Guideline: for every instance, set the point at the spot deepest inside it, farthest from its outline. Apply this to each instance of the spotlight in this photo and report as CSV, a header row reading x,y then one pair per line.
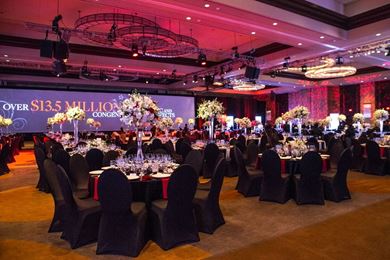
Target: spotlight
x,y
84,69
304,68
134,50
111,37
387,51
54,25
339,60
202,59
273,74
286,62
185,82
144,50
173,75
103,76
59,67
208,80
235,54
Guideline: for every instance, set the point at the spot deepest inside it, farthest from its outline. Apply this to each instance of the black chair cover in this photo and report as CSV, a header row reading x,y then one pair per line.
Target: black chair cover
x,y
251,154
308,185
79,175
314,141
80,218
40,158
123,223
249,179
173,221
185,148
357,155
374,164
211,153
109,156
94,158
275,186
3,159
62,158
335,185
52,170
335,152
207,211
195,159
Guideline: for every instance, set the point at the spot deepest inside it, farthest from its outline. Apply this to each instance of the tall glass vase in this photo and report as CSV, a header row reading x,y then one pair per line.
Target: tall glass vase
x,y
76,131
166,133
211,130
381,126
61,129
290,124
140,154
299,123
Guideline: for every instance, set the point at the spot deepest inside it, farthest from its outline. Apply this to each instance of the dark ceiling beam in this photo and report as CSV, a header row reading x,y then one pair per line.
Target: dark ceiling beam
x,y
330,17
268,49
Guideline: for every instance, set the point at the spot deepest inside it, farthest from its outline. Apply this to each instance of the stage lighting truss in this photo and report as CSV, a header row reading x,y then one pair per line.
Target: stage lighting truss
x,y
323,63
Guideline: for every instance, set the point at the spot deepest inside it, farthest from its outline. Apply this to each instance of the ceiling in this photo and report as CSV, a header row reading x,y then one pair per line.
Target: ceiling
x,y
273,30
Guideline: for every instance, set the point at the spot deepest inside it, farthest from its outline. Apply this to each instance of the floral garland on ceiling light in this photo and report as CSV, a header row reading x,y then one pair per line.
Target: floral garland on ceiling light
x,y
138,110
210,108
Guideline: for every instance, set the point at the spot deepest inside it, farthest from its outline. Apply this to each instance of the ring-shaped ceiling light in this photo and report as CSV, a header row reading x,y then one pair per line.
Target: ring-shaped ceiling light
x,y
241,85
333,72
324,63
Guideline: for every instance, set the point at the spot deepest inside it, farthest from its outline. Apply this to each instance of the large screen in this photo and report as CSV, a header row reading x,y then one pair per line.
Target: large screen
x,y
29,109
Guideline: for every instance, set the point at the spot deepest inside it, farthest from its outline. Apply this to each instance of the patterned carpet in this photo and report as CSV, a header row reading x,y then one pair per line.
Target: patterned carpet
x,y
357,229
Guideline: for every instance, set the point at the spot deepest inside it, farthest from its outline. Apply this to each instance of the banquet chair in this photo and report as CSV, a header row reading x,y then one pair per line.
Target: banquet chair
x,y
79,176
211,153
335,183
241,141
313,141
94,158
40,158
80,218
62,158
51,170
308,185
123,222
233,141
374,163
184,149
173,220
131,150
232,168
55,147
275,185
156,144
251,154
110,156
357,155
207,210
3,158
249,179
48,144
195,159
335,152
263,143
169,147
160,151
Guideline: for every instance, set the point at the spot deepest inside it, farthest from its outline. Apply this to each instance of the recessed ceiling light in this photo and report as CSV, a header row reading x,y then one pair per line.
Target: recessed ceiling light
x,y
378,34
385,78
164,70
147,82
7,60
361,81
198,20
351,56
253,33
217,8
114,69
119,66
274,24
5,55
322,37
207,5
157,73
299,43
188,18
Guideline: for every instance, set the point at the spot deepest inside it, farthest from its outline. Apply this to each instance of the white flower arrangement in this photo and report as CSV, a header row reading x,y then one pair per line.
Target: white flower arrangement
x,y
75,113
324,122
299,112
51,121
358,117
4,122
59,118
381,114
279,121
90,121
298,145
210,108
191,121
287,116
165,123
222,119
178,121
138,110
342,118
245,122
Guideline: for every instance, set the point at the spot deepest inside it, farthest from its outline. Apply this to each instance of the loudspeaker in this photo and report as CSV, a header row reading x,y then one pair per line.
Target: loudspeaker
x,y
61,51
46,49
252,72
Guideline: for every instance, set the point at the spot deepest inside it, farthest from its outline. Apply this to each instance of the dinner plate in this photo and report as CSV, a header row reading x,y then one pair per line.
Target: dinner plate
x,y
285,157
97,172
161,175
325,156
108,167
132,177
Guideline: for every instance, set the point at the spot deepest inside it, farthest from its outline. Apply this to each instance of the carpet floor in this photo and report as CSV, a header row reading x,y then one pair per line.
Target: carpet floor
x,y
358,228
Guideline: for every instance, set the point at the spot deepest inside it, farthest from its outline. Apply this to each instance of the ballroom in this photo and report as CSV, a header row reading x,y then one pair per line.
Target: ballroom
x,y
194,129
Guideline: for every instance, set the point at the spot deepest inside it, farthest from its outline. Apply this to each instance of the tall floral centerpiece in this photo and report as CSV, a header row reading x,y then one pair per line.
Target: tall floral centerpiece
x,y
5,122
60,119
178,121
165,123
222,120
75,114
381,115
191,123
208,110
139,111
287,117
245,123
278,122
300,113
358,119
50,123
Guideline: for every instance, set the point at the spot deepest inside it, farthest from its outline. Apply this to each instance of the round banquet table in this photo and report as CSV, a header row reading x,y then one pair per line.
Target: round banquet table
x,y
290,165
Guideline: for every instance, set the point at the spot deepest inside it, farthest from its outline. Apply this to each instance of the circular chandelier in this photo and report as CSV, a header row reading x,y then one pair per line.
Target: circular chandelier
x,y
332,72
246,86
130,31
324,63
